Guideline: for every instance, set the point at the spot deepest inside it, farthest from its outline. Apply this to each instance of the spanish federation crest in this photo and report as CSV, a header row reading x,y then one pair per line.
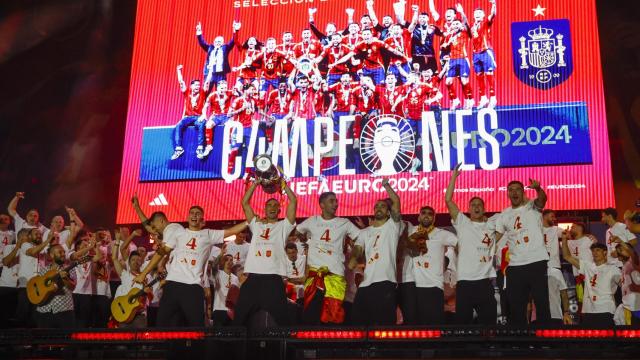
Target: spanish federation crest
x,y
541,52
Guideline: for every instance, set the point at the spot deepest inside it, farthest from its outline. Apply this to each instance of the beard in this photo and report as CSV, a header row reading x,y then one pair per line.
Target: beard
x,y
59,261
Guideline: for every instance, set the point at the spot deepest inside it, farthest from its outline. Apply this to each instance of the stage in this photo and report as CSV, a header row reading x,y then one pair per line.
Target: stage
x,y
324,343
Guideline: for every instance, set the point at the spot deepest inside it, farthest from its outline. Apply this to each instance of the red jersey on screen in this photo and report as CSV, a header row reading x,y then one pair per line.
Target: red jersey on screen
x,y
372,52
270,63
277,103
432,91
193,104
333,54
364,99
343,95
251,71
414,101
246,115
457,41
401,44
481,36
287,50
220,103
387,97
310,50
319,103
304,104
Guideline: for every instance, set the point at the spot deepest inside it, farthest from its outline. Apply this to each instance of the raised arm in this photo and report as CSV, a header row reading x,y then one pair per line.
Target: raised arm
x,y
117,266
183,85
372,13
448,196
143,218
13,204
414,18
541,199
203,44
494,10
246,202
566,253
293,203
11,257
395,201
34,251
463,16
155,260
434,13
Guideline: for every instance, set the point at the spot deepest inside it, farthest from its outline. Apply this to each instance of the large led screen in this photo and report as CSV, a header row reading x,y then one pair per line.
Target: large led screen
x,y
342,93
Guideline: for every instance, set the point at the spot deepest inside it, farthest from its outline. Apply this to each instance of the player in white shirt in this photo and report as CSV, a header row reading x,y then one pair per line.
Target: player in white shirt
x,y
9,282
630,282
600,284
264,290
224,280
7,236
86,290
31,219
183,297
406,281
325,234
580,247
476,249
126,274
296,269
618,229
32,253
239,248
375,302
428,266
526,275
551,233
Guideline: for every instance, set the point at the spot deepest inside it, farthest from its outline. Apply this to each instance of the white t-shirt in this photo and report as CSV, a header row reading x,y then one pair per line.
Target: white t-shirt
x,y
600,285
428,268
9,276
326,241
127,284
580,249
620,230
476,241
6,238
523,228
85,279
630,299
225,281
191,251
103,288
29,265
19,223
407,259
556,284
238,251
297,272
266,254
380,245
551,235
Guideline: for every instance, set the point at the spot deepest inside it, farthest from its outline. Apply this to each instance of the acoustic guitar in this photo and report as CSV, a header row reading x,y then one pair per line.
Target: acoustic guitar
x,y
124,308
41,287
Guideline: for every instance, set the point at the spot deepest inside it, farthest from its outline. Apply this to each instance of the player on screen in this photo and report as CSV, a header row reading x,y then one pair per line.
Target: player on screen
x,y
364,100
287,49
351,38
216,66
400,40
389,97
484,63
277,106
382,29
249,73
342,100
329,30
194,98
422,36
308,48
332,53
303,106
371,48
218,102
243,110
269,60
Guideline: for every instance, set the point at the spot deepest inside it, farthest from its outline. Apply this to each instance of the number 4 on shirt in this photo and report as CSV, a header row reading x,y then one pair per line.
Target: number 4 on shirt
x,y
326,236
192,243
265,233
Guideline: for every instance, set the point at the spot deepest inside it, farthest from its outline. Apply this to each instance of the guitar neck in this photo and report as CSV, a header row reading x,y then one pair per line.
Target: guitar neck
x,y
155,280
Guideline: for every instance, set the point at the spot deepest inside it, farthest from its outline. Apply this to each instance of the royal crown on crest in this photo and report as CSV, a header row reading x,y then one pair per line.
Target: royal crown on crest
x,y
540,33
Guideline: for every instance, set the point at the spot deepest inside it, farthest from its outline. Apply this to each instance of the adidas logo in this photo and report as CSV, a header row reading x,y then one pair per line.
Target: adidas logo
x,y
160,200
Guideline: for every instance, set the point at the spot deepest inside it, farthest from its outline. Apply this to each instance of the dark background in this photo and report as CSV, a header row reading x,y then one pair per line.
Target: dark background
x,y
64,84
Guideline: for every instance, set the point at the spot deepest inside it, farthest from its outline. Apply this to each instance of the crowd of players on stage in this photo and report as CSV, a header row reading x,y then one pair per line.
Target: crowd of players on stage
x,y
387,66
326,270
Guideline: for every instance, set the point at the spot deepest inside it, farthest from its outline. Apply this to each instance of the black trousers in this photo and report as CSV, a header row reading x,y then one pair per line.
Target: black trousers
x,y
220,318
504,301
8,301
24,310
181,305
525,282
597,320
430,302
83,307
152,316
262,292
375,304
477,295
101,306
61,320
311,315
408,303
